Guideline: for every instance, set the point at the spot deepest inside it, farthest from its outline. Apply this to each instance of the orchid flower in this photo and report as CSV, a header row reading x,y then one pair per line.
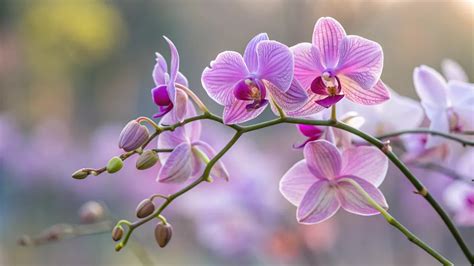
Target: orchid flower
x,y
452,70
165,93
189,155
397,113
318,184
459,197
448,105
336,65
244,85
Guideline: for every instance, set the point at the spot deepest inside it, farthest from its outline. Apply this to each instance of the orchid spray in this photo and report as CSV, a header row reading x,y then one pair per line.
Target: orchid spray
x,y
300,83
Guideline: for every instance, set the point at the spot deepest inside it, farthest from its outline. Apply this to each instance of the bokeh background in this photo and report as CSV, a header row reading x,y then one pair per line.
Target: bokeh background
x,y
72,73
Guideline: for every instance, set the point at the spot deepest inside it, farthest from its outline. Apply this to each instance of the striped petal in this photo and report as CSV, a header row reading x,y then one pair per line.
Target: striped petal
x,y
178,167
290,100
296,182
327,36
355,93
368,163
361,60
219,170
250,54
308,64
237,112
275,64
220,78
323,158
318,204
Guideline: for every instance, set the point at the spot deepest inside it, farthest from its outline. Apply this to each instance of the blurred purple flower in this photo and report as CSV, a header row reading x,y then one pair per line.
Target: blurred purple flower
x,y
189,153
165,93
335,65
453,71
318,186
459,197
449,106
241,84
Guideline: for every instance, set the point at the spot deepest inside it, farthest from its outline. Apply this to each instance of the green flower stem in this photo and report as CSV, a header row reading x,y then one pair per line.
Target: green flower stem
x,y
240,130
431,132
395,223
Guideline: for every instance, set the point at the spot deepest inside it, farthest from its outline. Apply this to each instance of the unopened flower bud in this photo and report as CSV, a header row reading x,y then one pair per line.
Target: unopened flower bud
x,y
80,174
147,159
25,240
117,233
163,233
133,136
114,165
91,212
145,208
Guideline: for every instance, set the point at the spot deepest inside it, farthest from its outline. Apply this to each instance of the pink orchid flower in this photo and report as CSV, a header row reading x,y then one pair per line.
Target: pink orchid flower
x,y
336,65
165,93
459,197
189,155
318,184
244,85
448,105
452,70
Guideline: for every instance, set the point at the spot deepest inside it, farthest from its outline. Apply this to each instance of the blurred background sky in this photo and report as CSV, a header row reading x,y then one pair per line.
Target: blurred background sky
x,y
72,73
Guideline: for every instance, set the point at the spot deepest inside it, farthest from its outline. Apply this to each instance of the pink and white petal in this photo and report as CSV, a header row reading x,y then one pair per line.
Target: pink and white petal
x,y
237,112
439,122
308,64
250,54
465,116
275,64
327,35
296,181
461,94
353,201
318,204
453,71
455,194
218,170
361,60
309,108
160,70
181,79
430,86
290,100
220,78
178,166
323,158
171,88
376,95
368,163
193,129
180,107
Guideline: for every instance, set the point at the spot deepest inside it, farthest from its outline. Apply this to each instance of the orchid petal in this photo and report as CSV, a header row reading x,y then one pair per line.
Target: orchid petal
x,y
453,71
461,94
376,95
367,162
171,87
310,107
308,64
181,79
353,201
237,112
220,78
296,181
323,158
318,204
293,98
327,36
218,170
250,54
329,100
439,122
275,64
160,70
430,86
178,166
181,105
454,195
361,60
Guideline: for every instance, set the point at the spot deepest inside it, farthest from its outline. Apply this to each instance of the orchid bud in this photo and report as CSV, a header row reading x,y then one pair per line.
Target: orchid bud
x,y
91,212
117,233
114,165
147,159
145,208
163,233
80,174
133,136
